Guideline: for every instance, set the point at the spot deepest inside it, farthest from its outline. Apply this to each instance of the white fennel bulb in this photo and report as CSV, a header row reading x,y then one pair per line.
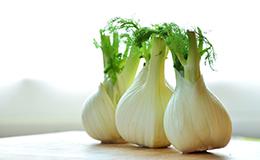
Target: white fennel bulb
x,y
98,116
138,81
139,115
195,120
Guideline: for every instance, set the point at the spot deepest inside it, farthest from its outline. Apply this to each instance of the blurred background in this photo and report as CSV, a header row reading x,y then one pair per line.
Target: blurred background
x,y
49,65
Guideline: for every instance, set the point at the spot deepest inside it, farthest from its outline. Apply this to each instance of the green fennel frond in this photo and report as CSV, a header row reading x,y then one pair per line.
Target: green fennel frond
x,y
177,41
143,35
205,47
119,23
116,40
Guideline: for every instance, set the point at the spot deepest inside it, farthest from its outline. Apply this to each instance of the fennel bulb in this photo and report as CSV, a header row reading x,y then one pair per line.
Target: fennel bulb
x,y
195,120
98,116
139,115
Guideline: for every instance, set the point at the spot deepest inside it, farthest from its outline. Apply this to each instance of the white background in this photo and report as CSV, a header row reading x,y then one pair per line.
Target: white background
x,y
50,41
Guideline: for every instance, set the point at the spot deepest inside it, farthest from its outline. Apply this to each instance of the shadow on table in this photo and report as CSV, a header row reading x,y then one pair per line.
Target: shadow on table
x,y
129,151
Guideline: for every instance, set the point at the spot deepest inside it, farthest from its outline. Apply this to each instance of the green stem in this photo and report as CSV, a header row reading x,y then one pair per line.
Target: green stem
x,y
127,75
192,68
156,66
131,66
181,58
105,50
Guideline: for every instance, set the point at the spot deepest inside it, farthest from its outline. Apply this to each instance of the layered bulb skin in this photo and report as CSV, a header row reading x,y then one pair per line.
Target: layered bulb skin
x,y
139,114
98,117
195,120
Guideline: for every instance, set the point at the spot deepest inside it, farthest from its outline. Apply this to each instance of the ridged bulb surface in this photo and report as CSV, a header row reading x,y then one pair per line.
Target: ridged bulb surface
x,y
139,114
195,120
98,117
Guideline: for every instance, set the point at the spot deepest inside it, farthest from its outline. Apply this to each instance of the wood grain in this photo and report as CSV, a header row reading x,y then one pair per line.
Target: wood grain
x,y
77,145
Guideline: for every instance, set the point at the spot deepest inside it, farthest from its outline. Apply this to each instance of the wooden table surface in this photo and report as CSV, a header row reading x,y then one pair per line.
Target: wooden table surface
x,y
77,145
